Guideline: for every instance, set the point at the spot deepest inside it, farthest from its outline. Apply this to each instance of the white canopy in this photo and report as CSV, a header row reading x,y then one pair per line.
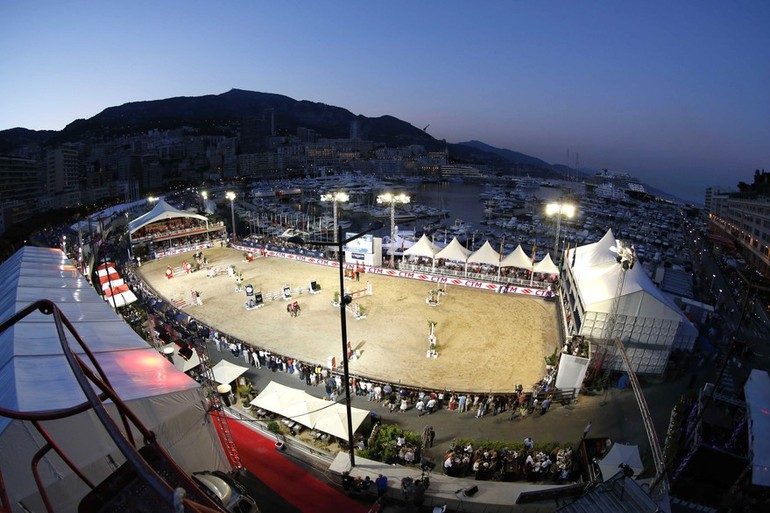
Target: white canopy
x,y
179,361
454,251
334,420
597,272
308,410
423,248
757,390
621,455
485,255
161,211
34,377
646,315
546,266
226,372
275,397
517,259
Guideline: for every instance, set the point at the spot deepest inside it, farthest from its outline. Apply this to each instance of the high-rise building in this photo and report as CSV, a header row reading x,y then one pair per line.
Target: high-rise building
x,y
745,215
62,170
19,189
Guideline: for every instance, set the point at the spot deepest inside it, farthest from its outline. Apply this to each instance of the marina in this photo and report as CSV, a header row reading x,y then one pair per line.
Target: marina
x,y
505,212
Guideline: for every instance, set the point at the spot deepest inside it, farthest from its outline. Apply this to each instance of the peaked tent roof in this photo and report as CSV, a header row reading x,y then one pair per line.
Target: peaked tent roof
x,y
621,454
517,259
160,211
546,266
226,372
423,247
308,410
454,251
485,255
597,273
584,258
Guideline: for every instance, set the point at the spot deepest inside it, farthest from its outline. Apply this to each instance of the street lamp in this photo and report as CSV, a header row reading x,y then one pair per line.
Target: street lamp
x,y
719,296
345,300
559,209
393,199
335,197
205,196
713,277
231,196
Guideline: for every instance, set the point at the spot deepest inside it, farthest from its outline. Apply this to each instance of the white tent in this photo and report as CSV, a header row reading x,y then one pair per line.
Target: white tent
x,y
309,411
35,377
180,362
226,372
621,455
517,259
757,390
648,321
334,420
546,266
423,248
454,251
275,397
485,255
161,211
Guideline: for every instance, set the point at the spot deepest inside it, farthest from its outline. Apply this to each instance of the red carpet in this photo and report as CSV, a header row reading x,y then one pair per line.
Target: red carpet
x,y
299,488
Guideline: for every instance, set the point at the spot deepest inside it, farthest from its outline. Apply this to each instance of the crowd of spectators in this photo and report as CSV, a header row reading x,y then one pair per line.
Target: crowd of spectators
x,y
169,227
510,464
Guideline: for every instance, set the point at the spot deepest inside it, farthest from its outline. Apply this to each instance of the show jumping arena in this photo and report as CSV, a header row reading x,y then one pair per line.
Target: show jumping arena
x,y
486,341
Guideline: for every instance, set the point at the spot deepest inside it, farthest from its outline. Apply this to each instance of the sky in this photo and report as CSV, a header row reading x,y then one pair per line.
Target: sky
x,y
676,93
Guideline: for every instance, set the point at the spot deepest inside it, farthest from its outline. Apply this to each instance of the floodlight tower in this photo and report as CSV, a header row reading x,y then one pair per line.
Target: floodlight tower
x,y
626,258
558,209
392,199
335,198
231,196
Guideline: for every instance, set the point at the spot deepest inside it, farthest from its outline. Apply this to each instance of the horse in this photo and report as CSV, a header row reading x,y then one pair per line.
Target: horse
x,y
293,309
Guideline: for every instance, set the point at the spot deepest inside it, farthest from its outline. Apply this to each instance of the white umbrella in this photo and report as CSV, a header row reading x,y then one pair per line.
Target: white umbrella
x,y
621,455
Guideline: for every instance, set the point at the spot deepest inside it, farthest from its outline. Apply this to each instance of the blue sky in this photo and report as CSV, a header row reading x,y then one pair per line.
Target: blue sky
x,y
675,92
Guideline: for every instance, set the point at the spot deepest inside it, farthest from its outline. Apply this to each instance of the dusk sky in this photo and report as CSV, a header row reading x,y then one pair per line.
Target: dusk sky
x,y
676,93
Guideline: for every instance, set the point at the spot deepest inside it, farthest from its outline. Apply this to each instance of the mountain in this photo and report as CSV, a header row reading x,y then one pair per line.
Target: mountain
x,y
14,138
224,113
509,155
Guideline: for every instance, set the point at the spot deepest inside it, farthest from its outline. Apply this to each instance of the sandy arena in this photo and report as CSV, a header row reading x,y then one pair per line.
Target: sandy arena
x,y
486,341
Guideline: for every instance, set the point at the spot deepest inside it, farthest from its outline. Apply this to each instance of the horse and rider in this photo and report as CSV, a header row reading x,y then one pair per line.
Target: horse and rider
x,y
293,309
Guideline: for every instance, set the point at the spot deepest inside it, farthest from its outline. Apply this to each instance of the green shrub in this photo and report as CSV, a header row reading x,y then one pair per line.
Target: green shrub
x,y
273,427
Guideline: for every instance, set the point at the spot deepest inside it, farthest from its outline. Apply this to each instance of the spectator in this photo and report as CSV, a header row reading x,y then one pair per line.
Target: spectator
x,y
382,485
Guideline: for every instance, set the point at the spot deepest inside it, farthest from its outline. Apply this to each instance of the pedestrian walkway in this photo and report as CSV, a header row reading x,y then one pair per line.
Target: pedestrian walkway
x,y
614,415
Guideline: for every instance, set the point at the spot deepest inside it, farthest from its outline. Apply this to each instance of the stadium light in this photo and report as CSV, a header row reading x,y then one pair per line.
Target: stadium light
x,y
392,199
558,209
335,197
344,301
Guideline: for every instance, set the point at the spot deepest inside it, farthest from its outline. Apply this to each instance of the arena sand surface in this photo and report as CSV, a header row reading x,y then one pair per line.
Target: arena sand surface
x,y
486,341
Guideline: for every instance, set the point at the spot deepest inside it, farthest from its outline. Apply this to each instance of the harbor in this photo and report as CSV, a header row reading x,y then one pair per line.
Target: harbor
x,y
506,212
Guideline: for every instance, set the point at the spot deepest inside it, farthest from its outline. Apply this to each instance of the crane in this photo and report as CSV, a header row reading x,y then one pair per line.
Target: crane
x,y
626,258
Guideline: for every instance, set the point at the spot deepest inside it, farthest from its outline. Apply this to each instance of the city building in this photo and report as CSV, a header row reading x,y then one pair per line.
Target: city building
x,y
745,218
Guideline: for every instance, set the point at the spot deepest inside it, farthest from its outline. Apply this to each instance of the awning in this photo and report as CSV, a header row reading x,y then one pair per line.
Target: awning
x,y
308,410
226,372
621,455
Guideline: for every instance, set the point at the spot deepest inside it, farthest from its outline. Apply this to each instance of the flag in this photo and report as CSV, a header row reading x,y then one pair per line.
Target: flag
x,y
534,251
574,255
566,255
